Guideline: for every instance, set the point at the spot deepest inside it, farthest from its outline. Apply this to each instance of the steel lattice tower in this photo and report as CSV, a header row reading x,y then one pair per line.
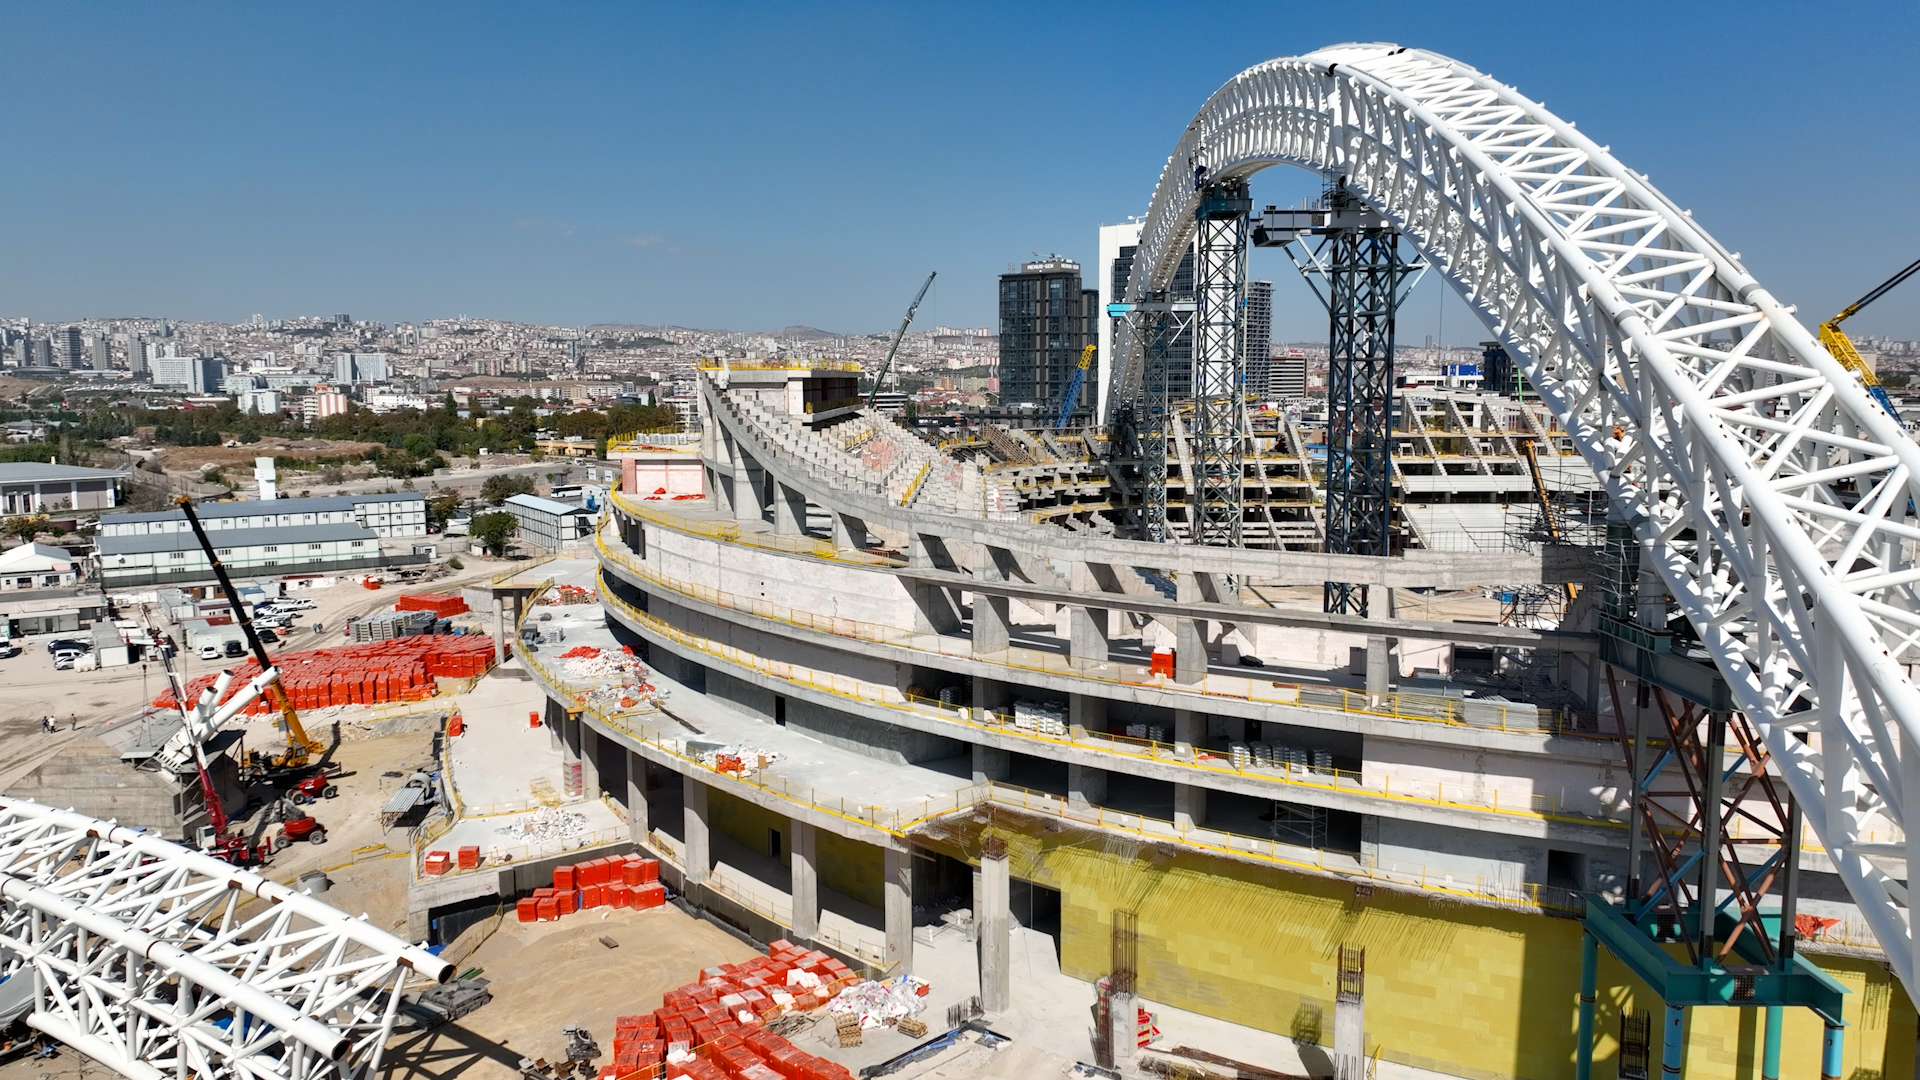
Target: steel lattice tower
x,y
1153,423
1364,271
1219,433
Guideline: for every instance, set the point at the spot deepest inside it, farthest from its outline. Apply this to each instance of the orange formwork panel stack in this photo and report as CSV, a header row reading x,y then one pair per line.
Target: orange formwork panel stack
x,y
400,669
443,605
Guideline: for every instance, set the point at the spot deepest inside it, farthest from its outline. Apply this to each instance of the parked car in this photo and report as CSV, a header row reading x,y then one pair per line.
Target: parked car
x,y
58,644
209,652
8,651
236,649
65,658
268,637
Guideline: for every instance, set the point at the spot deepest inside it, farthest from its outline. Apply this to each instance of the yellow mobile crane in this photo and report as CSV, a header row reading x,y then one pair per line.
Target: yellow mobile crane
x,y
301,749
1836,341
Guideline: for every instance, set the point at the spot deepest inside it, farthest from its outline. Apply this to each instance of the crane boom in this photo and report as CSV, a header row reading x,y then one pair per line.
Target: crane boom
x,y
1072,397
1836,342
299,745
899,334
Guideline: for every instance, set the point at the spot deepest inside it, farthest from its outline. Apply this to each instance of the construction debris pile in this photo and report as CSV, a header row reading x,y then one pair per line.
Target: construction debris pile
x,y
546,824
877,1004
711,1029
736,758
403,669
619,676
569,595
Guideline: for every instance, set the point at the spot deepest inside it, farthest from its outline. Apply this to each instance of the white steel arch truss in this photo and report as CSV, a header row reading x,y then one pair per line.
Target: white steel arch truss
x,y
162,962
1773,495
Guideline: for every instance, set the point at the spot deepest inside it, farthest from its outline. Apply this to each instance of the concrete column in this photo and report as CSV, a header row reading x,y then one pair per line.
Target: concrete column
x,y
993,922
747,480
1086,713
1088,636
589,758
1189,806
499,630
720,491
1190,635
990,695
992,618
1379,675
849,532
1189,731
806,881
899,895
1123,1014
789,511
555,719
1086,785
990,763
698,850
639,825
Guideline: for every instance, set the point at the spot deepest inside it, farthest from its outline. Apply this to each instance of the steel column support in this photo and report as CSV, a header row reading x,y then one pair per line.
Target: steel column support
x,y
1673,1043
1589,977
1154,423
1219,365
1770,1050
1364,274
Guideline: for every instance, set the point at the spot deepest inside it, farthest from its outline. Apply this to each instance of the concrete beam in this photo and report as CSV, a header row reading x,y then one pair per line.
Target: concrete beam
x,y
899,909
699,845
806,880
993,924
1512,637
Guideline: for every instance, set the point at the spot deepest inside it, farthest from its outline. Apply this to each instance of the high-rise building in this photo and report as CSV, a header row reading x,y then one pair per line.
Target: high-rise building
x,y
136,356
100,352
1257,337
1117,244
1287,377
42,353
68,349
352,368
209,375
1046,319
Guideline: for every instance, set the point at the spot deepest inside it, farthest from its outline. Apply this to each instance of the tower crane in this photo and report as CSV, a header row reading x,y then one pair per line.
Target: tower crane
x,y
897,336
1836,342
1072,397
301,748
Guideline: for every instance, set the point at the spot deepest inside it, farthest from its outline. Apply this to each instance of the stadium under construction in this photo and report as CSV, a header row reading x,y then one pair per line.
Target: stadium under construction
x,y
1485,732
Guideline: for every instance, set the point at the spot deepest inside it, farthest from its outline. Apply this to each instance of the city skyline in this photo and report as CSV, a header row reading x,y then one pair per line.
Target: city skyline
x,y
622,166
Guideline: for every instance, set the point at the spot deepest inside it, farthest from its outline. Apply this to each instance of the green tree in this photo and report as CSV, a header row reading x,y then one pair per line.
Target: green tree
x,y
441,506
494,531
418,445
500,487
25,526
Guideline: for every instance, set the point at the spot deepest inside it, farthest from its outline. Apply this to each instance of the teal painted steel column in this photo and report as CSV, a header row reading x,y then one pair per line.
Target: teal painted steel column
x,y
1589,973
1830,1051
1673,1043
1770,1050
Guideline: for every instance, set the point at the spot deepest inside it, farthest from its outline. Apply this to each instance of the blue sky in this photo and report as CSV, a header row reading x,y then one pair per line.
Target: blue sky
x,y
752,166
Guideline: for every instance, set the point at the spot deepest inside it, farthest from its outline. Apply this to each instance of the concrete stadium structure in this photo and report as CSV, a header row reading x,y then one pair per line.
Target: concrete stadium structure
x,y
973,700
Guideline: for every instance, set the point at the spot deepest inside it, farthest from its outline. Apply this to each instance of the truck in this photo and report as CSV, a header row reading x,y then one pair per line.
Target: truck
x,y
413,797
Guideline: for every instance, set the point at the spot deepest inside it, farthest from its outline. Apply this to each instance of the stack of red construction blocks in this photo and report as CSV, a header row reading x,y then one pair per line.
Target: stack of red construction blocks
x,y
621,881
403,669
443,605
717,1020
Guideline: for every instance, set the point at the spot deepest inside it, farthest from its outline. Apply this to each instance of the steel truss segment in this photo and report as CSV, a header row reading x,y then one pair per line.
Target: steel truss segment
x,y
1715,419
1219,366
160,961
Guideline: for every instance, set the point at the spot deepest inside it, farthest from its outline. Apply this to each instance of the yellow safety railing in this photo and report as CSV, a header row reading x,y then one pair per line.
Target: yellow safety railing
x,y
1383,787
919,478
536,561
1422,707
732,533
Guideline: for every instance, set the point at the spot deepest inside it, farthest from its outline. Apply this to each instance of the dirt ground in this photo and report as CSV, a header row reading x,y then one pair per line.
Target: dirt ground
x,y
545,976
194,458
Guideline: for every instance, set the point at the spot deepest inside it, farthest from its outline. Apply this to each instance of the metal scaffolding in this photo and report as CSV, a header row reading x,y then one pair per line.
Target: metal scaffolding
x,y
1154,326
1219,364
